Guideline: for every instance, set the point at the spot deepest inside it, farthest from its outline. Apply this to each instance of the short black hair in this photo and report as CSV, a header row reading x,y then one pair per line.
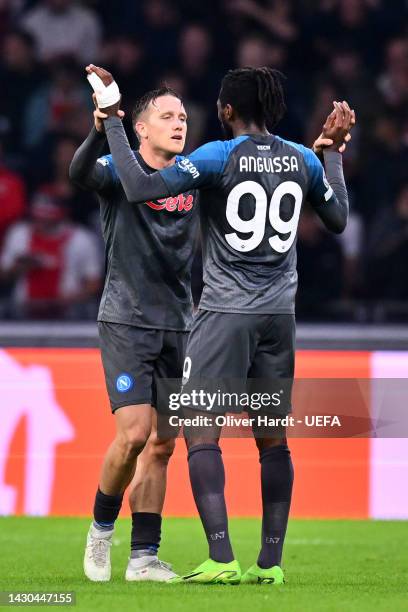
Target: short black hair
x,y
150,96
256,94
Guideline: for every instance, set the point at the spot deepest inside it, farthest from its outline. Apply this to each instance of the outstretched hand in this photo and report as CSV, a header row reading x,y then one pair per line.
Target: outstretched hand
x,y
336,129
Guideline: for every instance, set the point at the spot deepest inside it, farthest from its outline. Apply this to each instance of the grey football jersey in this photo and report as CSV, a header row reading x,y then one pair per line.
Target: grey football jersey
x,y
149,247
249,218
251,192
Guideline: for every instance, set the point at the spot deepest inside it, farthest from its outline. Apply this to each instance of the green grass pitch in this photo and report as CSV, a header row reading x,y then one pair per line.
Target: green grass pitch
x,y
329,565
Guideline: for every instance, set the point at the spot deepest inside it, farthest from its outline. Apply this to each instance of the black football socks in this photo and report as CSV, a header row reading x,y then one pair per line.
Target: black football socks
x,y
106,510
207,479
146,534
276,483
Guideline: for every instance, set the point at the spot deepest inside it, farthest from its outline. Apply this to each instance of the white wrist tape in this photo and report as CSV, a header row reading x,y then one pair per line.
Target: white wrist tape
x,y
105,96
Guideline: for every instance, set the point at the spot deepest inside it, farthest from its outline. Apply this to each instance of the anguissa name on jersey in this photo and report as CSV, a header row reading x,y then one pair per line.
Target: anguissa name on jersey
x,y
250,163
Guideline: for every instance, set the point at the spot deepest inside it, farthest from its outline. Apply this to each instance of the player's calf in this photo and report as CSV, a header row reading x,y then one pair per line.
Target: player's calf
x,y
134,426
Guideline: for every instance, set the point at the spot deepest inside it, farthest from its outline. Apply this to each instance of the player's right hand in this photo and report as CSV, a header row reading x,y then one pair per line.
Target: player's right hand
x,y
99,116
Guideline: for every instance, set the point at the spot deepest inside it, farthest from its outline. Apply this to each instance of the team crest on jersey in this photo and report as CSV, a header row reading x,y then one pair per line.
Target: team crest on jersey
x,y
179,203
124,382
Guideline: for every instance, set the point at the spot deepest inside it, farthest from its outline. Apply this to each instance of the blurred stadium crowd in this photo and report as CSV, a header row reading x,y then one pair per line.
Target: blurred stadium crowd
x,y
51,253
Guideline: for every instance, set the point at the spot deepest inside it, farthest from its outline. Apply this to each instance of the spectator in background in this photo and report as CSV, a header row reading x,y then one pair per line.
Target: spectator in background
x,y
387,251
320,266
125,58
12,197
328,49
351,242
196,62
21,74
349,76
61,27
324,97
353,23
275,18
9,12
384,166
53,264
58,106
160,34
255,51
393,83
80,204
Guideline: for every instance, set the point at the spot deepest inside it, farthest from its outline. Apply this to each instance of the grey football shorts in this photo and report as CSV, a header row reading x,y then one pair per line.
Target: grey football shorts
x,y
134,358
251,353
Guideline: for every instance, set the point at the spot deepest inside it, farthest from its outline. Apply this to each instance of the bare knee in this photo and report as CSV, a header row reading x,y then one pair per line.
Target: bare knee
x,y
265,443
132,441
200,440
158,450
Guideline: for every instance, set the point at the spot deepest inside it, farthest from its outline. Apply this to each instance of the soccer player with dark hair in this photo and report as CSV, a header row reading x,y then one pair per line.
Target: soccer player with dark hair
x,y
143,320
252,188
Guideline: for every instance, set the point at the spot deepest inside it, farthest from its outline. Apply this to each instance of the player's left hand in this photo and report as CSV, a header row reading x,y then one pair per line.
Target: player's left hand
x,y
336,130
107,79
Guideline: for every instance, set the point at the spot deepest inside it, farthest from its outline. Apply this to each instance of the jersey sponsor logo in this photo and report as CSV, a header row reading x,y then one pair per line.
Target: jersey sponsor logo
x,y
287,163
178,203
263,147
186,166
124,382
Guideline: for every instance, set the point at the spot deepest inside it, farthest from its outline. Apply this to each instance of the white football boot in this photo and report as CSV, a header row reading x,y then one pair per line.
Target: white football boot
x,y
97,565
149,568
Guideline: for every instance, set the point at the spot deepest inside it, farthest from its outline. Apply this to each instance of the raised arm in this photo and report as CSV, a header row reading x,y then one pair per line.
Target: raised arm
x,y
334,210
202,168
328,192
86,169
137,185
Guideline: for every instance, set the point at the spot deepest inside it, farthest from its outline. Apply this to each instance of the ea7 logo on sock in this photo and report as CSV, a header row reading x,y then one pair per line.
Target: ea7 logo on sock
x,y
218,535
272,540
